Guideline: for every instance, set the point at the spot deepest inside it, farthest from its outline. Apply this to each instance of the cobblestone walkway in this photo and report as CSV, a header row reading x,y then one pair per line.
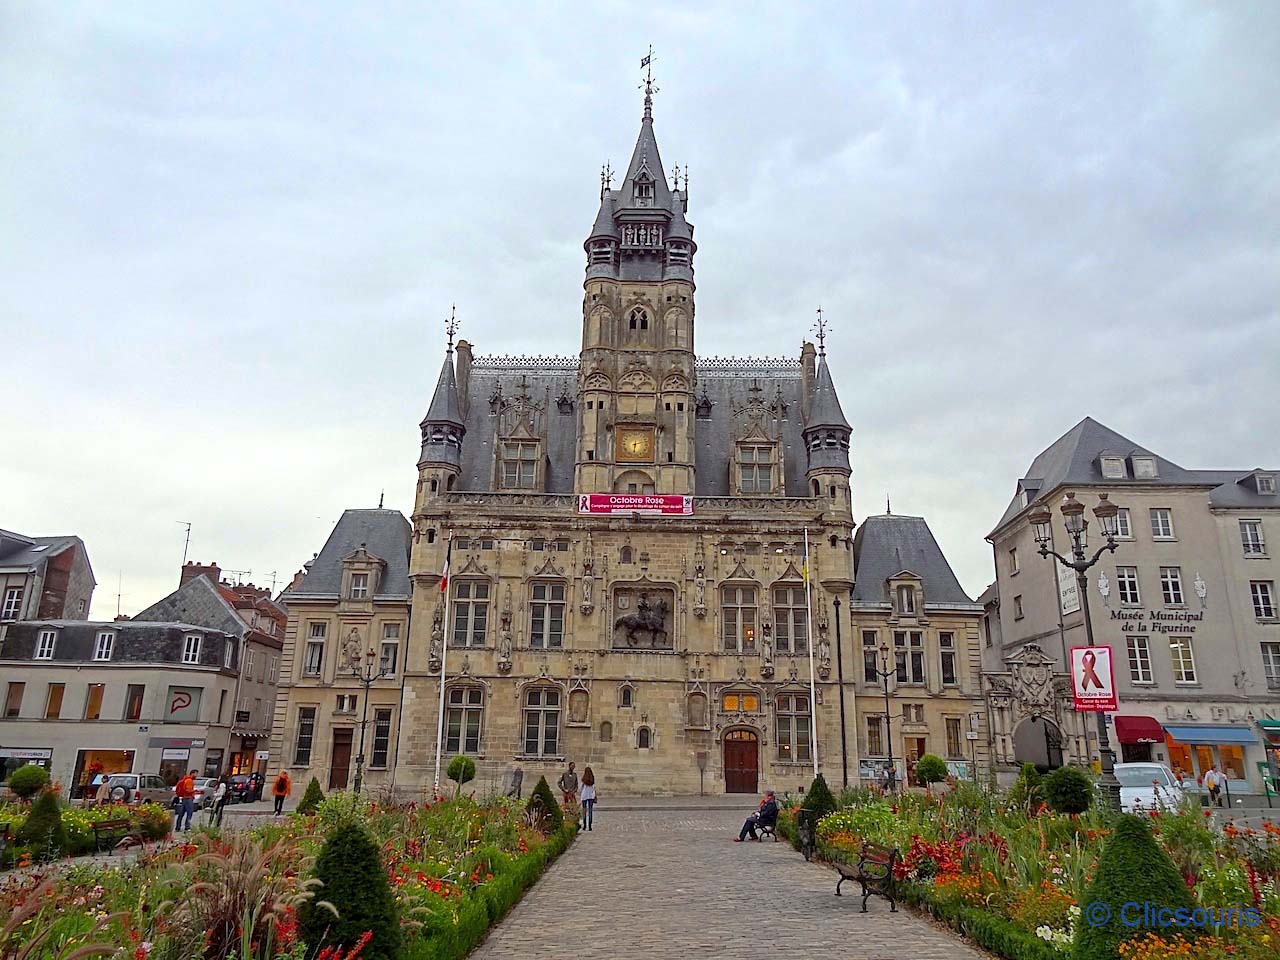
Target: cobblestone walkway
x,y
673,882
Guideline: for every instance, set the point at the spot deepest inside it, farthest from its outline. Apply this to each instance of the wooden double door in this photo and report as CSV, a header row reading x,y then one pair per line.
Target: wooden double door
x,y
741,761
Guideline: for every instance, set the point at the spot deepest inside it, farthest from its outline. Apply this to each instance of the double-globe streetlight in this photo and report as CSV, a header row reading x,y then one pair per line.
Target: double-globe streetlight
x,y
1072,511
366,673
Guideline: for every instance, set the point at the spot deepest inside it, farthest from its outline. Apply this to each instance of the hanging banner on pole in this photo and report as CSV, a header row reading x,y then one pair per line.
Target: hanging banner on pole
x,y
1093,679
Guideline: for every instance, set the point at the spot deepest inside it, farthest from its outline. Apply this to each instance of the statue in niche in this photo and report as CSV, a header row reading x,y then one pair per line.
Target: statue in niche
x,y
766,654
700,588
504,644
588,585
824,657
351,651
437,638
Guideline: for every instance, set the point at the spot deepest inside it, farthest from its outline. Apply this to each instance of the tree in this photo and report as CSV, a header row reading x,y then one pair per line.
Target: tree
x,y
311,798
43,830
1132,868
28,780
355,884
819,798
541,801
931,768
1068,790
461,770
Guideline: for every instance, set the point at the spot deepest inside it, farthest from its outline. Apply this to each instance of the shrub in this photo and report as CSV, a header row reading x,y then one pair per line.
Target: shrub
x,y
930,768
819,798
461,770
1132,867
355,884
542,805
1068,790
29,780
43,831
311,798
339,809
1026,790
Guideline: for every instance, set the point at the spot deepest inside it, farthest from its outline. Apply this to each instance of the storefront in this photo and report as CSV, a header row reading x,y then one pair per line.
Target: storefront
x,y
94,763
1194,749
1138,737
11,758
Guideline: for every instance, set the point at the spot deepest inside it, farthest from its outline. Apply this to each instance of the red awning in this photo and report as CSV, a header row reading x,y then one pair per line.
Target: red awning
x,y
1139,730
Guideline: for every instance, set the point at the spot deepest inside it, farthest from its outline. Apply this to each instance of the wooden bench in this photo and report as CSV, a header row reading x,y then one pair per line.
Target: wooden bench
x,y
874,873
120,833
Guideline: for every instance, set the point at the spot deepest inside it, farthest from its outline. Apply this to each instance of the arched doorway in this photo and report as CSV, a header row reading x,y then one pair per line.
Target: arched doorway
x,y
1039,742
741,761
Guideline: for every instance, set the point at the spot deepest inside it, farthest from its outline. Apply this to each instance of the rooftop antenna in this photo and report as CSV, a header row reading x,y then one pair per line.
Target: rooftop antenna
x,y
381,493
119,591
273,576
888,509
240,575
821,327
187,543
451,328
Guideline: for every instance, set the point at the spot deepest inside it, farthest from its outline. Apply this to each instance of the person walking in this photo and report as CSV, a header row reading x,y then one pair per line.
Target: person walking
x,y
185,791
220,795
1213,783
280,789
588,798
568,784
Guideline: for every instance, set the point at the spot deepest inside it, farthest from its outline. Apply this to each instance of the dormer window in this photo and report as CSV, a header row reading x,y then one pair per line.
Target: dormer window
x,y
644,192
1267,484
906,600
1113,468
359,586
1144,468
519,465
755,467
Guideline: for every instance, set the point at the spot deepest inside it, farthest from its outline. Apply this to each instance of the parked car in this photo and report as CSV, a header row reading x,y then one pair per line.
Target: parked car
x,y
138,788
241,789
1148,786
205,786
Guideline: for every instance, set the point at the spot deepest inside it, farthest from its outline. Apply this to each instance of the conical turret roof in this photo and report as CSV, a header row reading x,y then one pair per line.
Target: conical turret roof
x,y
825,410
645,158
605,225
445,406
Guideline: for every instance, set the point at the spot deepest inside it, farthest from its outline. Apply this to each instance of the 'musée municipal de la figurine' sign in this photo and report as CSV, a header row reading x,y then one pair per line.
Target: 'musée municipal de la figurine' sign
x,y
1093,680
1158,621
657,504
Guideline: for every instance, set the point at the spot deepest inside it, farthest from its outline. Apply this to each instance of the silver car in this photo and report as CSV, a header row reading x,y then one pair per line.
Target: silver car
x,y
1148,786
138,788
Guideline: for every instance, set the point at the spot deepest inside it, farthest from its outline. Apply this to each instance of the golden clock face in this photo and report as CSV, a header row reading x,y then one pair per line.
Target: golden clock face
x,y
635,446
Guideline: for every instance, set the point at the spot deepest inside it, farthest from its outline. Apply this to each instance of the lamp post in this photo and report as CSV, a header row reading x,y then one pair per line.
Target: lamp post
x,y
365,673
883,674
844,758
1072,511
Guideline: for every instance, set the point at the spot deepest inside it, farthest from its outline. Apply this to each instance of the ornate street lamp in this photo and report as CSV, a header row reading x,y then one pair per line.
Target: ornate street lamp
x,y
883,674
366,674
1072,511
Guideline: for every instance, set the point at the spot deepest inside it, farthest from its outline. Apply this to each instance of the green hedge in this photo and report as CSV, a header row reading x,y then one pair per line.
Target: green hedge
x,y
1002,937
443,939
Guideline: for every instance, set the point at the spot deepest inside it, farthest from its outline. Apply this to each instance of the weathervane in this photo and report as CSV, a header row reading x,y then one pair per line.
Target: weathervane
x,y
649,89
606,178
821,327
451,328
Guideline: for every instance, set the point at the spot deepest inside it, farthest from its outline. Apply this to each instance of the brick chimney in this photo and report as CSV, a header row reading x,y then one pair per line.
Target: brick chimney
x,y
193,570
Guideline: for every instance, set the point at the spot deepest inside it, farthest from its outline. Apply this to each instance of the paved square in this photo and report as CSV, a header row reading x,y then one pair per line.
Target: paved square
x,y
673,880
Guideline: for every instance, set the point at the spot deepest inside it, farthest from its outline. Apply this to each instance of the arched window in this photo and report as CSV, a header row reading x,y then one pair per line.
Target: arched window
x,y
643,738
435,484
431,535
542,722
817,490
449,485
626,695
606,731
639,319
624,555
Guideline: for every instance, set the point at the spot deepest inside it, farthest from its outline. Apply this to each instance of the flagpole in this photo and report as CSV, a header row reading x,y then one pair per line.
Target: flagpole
x,y
444,652
813,686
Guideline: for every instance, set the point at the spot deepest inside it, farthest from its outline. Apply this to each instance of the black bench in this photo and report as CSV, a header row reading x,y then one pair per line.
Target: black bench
x,y
874,873
118,833
769,830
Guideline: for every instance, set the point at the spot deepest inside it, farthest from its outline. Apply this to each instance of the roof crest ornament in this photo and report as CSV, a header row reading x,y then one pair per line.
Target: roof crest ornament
x,y
451,328
821,327
649,89
606,179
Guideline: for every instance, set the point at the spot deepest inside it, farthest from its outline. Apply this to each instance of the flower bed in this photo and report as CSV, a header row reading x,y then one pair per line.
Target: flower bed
x,y
151,820
1012,875
454,867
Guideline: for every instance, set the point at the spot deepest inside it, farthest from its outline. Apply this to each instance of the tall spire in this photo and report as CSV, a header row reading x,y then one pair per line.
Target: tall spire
x,y
649,88
451,328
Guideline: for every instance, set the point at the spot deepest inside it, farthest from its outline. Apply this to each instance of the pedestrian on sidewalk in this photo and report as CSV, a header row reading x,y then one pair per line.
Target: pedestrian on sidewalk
x,y
220,795
765,816
1213,783
588,797
185,791
280,789
568,784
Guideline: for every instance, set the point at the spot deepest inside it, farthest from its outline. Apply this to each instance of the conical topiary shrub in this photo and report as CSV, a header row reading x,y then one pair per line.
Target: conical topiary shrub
x,y
819,798
43,830
311,798
549,813
355,883
1132,869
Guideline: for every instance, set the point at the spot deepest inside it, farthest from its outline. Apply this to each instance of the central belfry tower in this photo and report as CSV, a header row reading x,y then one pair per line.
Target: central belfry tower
x,y
636,377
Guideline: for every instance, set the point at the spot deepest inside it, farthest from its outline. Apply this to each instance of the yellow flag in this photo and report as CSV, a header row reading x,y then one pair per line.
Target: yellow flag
x,y
804,570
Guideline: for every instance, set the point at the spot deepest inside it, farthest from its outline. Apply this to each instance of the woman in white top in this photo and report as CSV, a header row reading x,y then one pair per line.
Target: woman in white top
x,y
588,797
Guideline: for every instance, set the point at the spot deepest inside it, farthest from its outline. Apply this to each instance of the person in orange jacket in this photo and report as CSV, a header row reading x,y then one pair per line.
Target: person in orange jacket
x,y
185,791
280,789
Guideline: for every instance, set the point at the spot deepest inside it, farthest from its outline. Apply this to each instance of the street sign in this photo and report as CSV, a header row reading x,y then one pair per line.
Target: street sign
x,y
971,735
653,504
1093,679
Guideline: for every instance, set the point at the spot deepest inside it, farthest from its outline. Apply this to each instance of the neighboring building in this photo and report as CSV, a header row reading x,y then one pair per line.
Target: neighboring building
x,y
156,694
1188,602
43,578
352,598
907,599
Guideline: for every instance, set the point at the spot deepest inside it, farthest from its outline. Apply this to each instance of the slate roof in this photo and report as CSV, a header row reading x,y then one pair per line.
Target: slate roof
x,y
825,411
726,383
200,602
385,533
444,402
18,550
886,545
645,154
1074,459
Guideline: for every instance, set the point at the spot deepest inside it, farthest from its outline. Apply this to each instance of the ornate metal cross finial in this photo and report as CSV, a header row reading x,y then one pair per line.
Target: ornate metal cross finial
x,y
606,178
675,177
821,327
451,328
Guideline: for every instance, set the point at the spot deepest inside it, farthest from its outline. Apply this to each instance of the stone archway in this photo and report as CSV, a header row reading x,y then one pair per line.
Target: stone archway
x,y
1029,699
1038,741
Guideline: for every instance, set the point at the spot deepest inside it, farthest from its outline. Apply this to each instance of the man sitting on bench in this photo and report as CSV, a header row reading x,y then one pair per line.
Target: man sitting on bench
x,y
766,816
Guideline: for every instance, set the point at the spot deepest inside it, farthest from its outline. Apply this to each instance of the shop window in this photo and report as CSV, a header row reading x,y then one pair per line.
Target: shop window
x,y
1231,760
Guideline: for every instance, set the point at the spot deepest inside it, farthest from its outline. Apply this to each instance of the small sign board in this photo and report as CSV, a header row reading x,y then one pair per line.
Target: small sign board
x,y
1093,679
652,504
261,755
971,735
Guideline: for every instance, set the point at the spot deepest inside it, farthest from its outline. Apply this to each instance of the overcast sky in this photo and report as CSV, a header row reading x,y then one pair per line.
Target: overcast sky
x,y
229,239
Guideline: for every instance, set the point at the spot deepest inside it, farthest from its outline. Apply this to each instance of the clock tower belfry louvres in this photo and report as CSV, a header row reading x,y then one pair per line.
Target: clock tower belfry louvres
x,y
636,406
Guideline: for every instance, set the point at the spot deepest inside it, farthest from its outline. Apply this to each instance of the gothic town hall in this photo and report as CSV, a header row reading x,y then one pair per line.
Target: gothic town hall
x,y
626,581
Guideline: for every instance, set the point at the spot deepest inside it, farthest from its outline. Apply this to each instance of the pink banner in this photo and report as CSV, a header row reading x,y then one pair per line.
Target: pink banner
x,y
657,504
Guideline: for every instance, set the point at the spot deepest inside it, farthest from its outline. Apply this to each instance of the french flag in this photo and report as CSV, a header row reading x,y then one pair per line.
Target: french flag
x,y
444,577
